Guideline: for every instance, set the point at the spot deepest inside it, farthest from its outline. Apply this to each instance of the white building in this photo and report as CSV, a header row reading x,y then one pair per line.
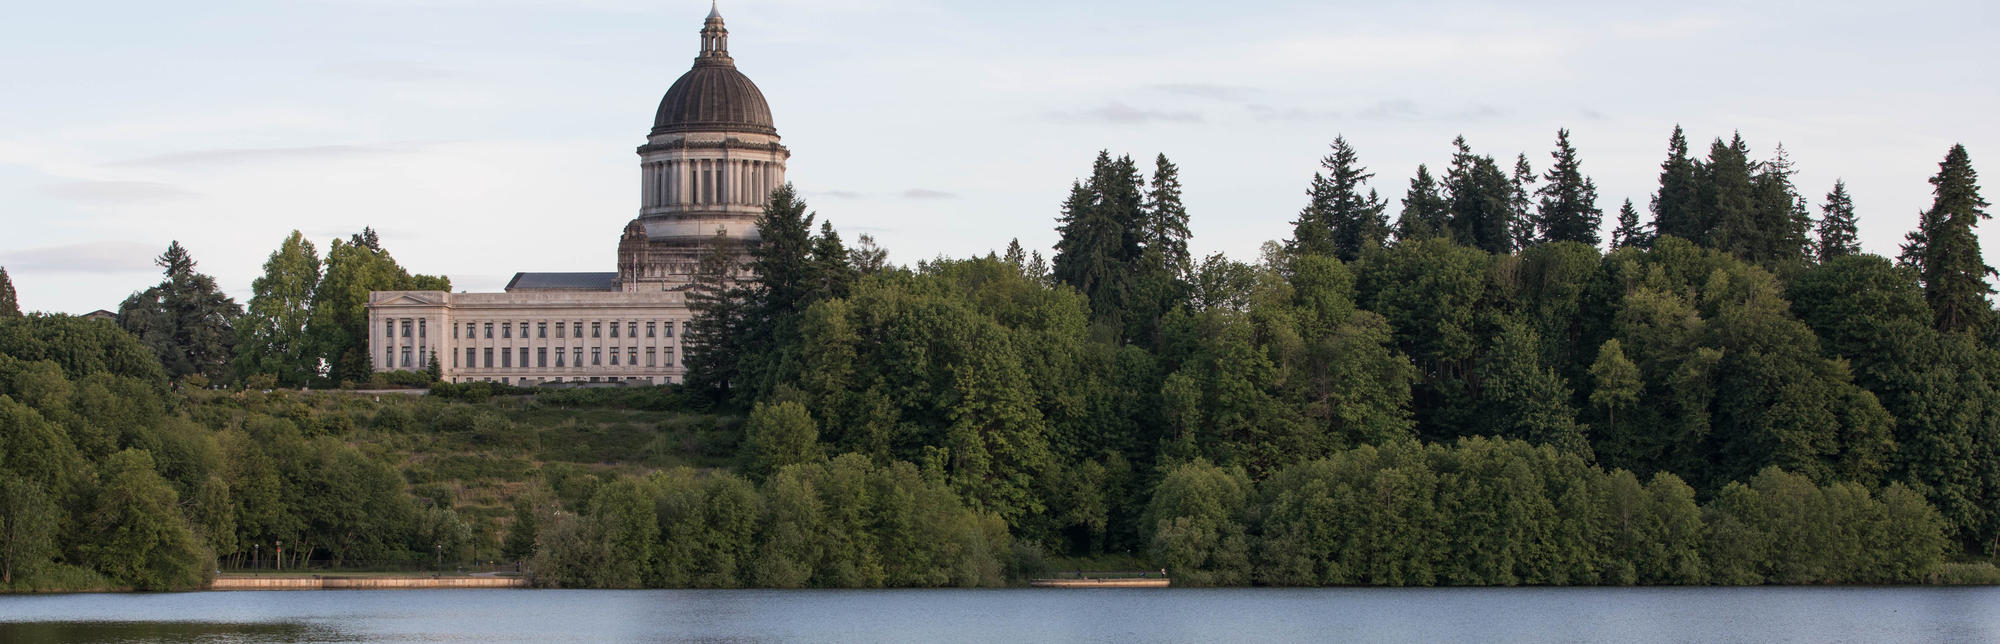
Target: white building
x,y
708,165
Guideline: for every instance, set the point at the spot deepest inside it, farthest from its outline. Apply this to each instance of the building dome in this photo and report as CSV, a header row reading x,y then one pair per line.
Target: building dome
x,y
713,96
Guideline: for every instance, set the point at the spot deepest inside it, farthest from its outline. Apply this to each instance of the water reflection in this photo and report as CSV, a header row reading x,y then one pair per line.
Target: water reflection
x,y
171,632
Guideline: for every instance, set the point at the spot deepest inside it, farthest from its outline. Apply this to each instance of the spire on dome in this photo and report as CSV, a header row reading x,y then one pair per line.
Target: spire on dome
x,y
714,38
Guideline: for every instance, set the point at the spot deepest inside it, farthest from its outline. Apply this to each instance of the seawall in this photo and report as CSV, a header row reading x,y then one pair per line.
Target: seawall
x,y
363,583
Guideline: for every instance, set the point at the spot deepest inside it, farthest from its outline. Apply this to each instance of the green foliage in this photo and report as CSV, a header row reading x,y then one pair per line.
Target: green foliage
x,y
186,320
778,435
1481,198
1630,233
1196,524
1569,209
136,534
272,337
1945,251
1837,225
10,304
28,520
337,329
1338,219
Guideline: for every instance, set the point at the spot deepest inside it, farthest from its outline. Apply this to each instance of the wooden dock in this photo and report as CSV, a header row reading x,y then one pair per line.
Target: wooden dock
x,y
1103,582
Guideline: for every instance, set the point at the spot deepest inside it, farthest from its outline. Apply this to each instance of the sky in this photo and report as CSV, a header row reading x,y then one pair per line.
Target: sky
x,y
485,137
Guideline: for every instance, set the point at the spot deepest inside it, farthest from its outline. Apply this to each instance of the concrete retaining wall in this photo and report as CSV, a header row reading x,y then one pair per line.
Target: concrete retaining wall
x,y
377,583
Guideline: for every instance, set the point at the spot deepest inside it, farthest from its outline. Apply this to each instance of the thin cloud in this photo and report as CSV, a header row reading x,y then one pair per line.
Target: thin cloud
x,y
1120,113
115,193
89,257
920,193
1403,109
234,156
1232,93
1279,114
838,194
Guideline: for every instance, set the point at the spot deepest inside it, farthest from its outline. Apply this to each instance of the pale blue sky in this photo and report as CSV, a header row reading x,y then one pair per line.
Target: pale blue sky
x,y
487,137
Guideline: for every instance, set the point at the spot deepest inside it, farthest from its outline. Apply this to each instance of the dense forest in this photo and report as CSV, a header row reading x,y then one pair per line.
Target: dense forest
x,y
1479,390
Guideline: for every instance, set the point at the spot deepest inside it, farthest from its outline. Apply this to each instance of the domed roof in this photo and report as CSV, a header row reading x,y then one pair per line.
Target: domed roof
x,y
713,96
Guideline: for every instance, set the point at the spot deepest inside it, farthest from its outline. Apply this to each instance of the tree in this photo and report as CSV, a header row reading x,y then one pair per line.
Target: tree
x,y
1520,399
711,351
1837,226
1195,523
272,333
1630,233
1526,224
138,535
1426,213
1617,380
1676,207
186,319
1166,231
338,328
1482,201
1338,220
1569,209
9,305
1946,251
777,435
866,257
1100,238
27,527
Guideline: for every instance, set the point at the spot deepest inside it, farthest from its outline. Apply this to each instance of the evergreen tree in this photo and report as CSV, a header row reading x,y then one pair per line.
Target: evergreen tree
x,y
1101,231
186,319
866,257
1337,219
1730,201
1526,224
831,275
1630,232
1569,209
1676,209
1016,255
1481,195
1946,251
1837,225
1166,226
272,333
710,348
1426,213
9,305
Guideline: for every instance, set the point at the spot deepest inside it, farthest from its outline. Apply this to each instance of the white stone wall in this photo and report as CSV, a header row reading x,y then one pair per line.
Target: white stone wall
x,y
499,329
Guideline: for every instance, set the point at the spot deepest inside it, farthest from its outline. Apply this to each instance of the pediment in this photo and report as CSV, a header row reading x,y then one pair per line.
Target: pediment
x,y
406,299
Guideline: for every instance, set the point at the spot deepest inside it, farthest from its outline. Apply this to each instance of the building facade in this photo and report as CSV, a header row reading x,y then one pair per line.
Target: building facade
x,y
706,170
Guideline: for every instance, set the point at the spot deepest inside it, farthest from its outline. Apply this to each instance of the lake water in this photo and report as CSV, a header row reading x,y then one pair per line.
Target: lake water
x,y
1915,614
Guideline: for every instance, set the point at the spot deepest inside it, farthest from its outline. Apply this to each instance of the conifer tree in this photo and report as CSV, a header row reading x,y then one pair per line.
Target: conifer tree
x,y
1629,232
1016,255
711,351
1569,209
9,305
1166,227
1526,224
1837,226
830,275
1785,225
186,319
1338,220
1729,200
1426,213
1100,230
1676,209
1945,251
1481,196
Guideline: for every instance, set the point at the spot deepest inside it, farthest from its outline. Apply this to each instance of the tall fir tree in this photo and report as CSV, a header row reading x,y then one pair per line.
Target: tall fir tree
x,y
186,319
1100,238
1426,213
1482,206
1527,224
272,335
1729,201
1338,220
1630,233
1676,207
1166,228
1785,223
1838,228
10,305
1569,209
1945,251
710,350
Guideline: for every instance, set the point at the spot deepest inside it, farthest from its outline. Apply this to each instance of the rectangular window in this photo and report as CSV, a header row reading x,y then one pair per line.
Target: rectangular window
x,y
454,358
559,356
389,357
596,356
489,330
506,359
632,356
668,326
406,328
578,360
576,329
471,360
454,332
388,328
488,354
596,329
470,331
524,357
506,330
614,356
686,327
614,329
669,353
524,330
541,330
420,357
421,330
542,357
652,356
406,357
631,329
649,329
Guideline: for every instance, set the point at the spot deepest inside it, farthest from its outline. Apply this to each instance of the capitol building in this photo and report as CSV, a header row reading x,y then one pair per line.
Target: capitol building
x,y
708,165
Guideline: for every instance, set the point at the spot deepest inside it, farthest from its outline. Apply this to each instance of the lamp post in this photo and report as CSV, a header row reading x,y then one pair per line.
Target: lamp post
x,y
256,561
439,546
280,559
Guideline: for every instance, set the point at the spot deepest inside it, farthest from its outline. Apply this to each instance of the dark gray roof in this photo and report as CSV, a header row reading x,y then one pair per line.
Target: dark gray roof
x,y
563,282
714,97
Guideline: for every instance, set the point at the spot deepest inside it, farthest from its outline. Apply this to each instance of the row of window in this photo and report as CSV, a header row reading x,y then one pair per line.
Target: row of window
x,y
483,358
389,328
562,329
